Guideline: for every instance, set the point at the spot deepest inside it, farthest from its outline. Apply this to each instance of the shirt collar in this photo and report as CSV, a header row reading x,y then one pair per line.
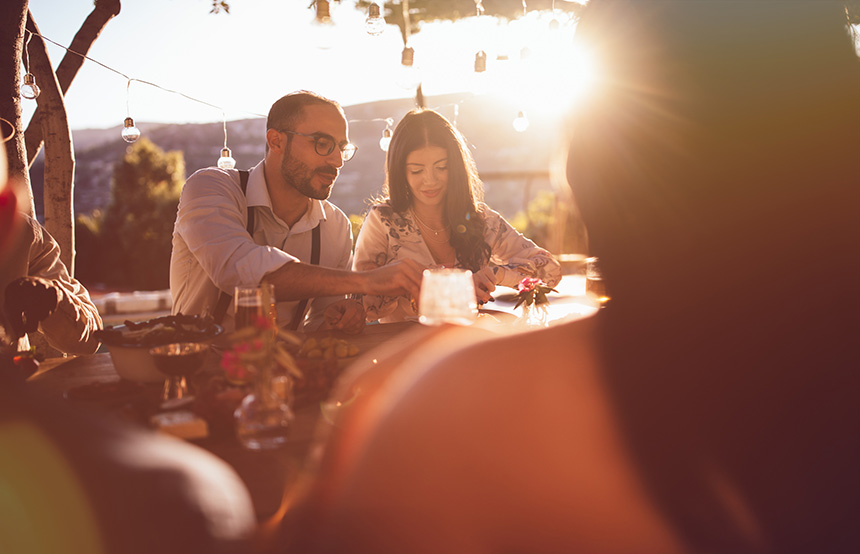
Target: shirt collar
x,y
258,195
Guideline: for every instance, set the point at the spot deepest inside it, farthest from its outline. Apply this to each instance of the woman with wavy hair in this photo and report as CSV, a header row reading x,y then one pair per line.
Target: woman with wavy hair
x,y
432,212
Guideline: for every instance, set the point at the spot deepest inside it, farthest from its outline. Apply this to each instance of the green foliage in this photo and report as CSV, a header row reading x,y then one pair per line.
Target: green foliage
x,y
538,219
552,225
130,244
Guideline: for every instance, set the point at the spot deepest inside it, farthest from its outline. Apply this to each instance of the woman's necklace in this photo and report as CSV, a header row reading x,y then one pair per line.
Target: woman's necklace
x,y
435,231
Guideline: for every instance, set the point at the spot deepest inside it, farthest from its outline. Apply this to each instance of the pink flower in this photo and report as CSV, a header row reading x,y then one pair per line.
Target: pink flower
x,y
528,284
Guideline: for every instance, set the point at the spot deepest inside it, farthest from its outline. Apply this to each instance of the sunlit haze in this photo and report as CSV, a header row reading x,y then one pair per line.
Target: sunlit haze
x,y
240,63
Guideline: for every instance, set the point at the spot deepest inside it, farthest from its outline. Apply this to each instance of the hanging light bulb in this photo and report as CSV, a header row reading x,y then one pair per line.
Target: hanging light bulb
x,y
226,160
323,11
29,89
385,141
408,76
479,79
324,34
375,23
480,62
521,122
130,133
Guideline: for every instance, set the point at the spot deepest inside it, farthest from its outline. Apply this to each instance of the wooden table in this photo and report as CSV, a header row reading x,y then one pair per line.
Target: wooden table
x,y
266,473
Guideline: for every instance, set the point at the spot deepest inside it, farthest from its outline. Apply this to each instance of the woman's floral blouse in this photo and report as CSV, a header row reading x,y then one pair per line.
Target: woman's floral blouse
x,y
387,236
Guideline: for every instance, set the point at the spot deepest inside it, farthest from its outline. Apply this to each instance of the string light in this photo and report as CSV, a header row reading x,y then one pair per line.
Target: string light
x,y
521,122
130,133
408,76
324,34
375,23
29,89
480,62
385,141
226,160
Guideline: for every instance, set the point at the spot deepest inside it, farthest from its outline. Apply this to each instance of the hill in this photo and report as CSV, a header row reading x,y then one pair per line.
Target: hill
x,y
513,166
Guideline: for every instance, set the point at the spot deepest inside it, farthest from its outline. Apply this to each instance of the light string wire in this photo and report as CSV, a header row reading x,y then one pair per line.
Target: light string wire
x,y
224,119
26,59
130,79
388,120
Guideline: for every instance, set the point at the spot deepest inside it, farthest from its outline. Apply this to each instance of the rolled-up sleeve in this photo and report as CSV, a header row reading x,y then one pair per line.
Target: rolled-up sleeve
x,y
212,222
515,256
71,327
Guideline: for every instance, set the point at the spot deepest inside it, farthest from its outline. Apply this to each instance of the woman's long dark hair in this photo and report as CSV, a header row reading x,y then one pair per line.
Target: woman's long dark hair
x,y
420,128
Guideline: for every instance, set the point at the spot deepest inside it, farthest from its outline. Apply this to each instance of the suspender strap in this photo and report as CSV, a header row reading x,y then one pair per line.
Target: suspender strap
x,y
225,298
299,314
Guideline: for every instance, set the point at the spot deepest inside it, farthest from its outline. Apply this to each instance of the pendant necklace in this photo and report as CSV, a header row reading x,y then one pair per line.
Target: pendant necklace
x,y
435,231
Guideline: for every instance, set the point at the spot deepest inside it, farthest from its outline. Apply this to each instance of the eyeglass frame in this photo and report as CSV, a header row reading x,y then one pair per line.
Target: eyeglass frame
x,y
317,136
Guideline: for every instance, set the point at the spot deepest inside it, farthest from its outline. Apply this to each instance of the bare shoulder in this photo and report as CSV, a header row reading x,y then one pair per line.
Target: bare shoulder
x,y
507,429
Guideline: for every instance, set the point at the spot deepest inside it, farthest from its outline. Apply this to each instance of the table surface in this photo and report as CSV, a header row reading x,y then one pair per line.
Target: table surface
x,y
268,473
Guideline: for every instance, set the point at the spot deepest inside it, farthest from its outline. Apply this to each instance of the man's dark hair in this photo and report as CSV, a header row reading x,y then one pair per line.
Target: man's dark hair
x,y
286,111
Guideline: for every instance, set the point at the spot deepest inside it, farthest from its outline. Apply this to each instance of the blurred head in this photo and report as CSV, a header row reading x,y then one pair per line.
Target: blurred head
x,y
703,152
305,136
718,177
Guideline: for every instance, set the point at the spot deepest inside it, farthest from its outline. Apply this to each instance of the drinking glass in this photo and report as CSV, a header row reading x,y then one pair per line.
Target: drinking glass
x,y
253,302
594,285
448,296
177,361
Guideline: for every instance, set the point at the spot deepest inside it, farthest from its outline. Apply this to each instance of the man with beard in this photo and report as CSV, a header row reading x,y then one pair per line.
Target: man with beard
x,y
229,233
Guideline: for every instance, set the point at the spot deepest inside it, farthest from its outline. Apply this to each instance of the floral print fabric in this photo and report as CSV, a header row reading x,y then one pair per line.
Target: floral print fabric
x,y
388,236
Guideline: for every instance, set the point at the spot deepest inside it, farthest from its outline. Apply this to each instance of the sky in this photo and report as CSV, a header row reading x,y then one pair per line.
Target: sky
x,y
235,66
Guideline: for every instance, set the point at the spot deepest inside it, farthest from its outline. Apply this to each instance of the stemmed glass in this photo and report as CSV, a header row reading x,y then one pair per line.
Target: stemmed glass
x,y
177,361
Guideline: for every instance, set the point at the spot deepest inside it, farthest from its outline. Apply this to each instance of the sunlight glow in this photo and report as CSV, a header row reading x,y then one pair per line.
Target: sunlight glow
x,y
287,49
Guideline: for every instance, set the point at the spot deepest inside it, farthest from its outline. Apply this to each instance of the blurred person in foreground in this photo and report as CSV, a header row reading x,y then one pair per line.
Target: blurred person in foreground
x,y
215,248
432,213
712,405
38,294
76,482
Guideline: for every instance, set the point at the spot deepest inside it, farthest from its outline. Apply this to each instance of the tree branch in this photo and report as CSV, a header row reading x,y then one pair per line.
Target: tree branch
x,y
59,154
104,11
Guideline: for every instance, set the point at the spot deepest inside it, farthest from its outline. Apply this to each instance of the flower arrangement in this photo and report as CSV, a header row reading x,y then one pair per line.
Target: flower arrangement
x,y
256,348
532,291
531,295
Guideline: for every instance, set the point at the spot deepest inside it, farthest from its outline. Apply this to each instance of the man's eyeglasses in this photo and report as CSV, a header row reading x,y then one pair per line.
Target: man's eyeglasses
x,y
325,145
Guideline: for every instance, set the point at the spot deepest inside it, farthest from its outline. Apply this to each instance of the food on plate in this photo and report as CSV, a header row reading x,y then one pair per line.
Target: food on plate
x,y
161,330
327,348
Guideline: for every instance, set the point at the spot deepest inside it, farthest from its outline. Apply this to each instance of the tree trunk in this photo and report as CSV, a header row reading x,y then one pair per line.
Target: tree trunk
x,y
13,14
92,27
59,154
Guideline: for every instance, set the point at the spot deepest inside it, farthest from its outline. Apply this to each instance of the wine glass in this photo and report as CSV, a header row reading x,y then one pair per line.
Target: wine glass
x,y
177,361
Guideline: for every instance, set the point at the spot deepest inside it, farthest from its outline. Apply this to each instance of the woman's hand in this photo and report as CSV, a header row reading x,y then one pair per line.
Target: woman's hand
x,y
345,315
485,284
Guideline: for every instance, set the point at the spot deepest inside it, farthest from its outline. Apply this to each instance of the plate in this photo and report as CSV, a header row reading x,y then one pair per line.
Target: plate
x,y
161,330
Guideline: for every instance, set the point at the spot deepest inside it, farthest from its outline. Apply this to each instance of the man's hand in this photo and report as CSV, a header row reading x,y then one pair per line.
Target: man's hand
x,y
401,278
345,315
485,284
29,300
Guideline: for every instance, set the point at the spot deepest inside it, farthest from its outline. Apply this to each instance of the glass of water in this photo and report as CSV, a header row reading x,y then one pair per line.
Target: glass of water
x,y
448,296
